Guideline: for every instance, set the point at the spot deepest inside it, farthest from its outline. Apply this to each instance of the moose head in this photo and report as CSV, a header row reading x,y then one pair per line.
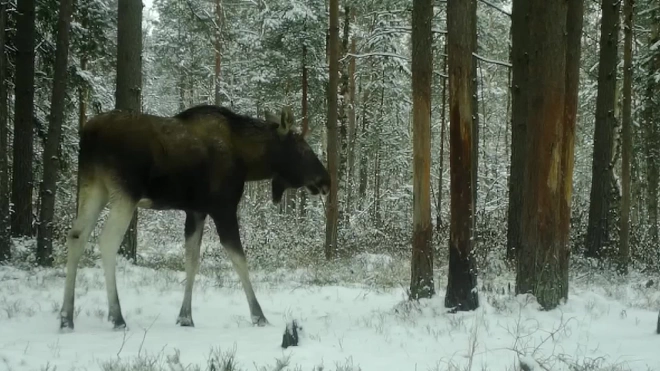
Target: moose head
x,y
297,164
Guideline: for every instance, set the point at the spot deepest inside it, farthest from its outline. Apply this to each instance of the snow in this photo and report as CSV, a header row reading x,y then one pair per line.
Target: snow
x,y
360,325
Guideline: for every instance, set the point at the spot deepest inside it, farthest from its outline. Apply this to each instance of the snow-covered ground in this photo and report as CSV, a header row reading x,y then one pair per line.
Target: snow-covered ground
x,y
355,325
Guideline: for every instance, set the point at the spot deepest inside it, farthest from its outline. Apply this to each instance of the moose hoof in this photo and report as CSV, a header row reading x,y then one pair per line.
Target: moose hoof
x,y
185,322
260,321
117,323
66,324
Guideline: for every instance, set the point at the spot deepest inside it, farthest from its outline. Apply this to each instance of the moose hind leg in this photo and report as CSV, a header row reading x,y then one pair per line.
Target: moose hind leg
x,y
229,237
92,199
194,228
121,213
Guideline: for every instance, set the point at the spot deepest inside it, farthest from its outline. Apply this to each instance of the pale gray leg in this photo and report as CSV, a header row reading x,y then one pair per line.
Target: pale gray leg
x,y
92,200
194,229
121,213
227,226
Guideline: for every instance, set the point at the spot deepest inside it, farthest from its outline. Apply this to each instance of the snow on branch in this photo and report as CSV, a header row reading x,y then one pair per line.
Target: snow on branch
x,y
376,54
496,7
492,61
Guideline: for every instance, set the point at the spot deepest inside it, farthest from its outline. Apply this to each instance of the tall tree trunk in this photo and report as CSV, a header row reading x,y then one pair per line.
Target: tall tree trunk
x,y
626,134
651,130
542,258
443,124
351,128
519,83
305,119
363,176
421,280
218,46
333,150
22,179
602,173
51,160
343,108
5,231
129,83
82,118
462,276
574,22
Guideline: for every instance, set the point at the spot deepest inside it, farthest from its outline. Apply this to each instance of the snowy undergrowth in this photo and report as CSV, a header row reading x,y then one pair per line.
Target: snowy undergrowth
x,y
354,316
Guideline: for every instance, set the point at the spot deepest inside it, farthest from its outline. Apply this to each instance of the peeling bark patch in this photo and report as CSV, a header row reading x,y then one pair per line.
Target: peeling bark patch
x,y
553,173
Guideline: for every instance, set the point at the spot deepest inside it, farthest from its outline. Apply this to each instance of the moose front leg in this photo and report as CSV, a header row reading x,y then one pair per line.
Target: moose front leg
x,y
193,233
227,226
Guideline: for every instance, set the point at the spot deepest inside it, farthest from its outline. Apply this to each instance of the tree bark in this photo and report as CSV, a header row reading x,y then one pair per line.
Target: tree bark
x,y
626,138
602,173
305,120
51,159
82,118
443,124
574,23
129,84
5,229
519,82
22,180
651,131
542,259
462,277
218,46
351,129
421,280
333,150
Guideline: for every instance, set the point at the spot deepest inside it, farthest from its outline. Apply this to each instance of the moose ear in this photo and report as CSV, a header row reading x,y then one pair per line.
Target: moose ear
x,y
286,121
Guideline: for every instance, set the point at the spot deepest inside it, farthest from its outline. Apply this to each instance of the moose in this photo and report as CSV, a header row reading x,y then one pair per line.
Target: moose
x,y
196,161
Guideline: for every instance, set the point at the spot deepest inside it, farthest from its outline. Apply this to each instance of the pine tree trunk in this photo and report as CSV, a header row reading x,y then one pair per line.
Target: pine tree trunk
x,y
626,134
421,280
462,276
218,20
651,130
51,160
602,173
333,137
305,121
519,83
574,23
443,125
129,84
5,229
82,118
351,129
23,151
542,259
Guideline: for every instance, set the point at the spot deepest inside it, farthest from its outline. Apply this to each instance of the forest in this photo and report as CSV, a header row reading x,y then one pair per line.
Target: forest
x,y
494,172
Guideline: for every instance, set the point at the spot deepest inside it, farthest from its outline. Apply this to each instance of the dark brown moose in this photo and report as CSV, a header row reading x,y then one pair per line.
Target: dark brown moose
x,y
197,161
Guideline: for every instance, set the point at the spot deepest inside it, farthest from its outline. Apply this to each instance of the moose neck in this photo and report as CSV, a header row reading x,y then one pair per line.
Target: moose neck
x,y
258,153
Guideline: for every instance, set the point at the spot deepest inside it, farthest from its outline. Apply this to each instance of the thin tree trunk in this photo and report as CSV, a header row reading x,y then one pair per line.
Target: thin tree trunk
x,y
5,229
363,177
542,258
519,83
305,119
218,17
626,134
82,118
51,159
443,124
574,23
602,173
333,150
22,179
462,276
421,280
651,131
351,129
129,84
